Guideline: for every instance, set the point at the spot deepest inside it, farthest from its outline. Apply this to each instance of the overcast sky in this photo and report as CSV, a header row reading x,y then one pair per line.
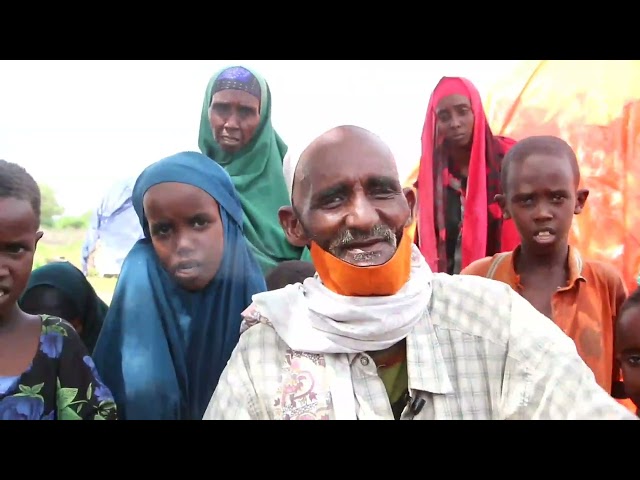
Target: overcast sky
x,y
81,125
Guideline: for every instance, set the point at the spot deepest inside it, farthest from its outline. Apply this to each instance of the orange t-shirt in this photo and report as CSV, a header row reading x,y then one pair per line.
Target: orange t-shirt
x,y
586,309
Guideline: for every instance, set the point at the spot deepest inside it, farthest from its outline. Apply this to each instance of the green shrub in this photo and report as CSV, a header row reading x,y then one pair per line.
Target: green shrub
x,y
73,222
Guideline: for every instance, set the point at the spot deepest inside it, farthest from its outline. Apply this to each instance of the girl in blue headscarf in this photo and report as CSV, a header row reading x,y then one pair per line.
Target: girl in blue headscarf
x,y
175,315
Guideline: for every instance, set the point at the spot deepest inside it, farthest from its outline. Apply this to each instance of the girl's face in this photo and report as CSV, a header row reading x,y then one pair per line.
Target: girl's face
x,y
19,236
186,231
628,351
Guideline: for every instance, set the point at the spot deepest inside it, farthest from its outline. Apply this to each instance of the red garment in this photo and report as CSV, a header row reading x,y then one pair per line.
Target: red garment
x,y
487,152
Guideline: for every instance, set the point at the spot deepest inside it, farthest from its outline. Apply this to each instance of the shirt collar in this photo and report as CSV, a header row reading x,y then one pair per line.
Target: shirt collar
x,y
574,262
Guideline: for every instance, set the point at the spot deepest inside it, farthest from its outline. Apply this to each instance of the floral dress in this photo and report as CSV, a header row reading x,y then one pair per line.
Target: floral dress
x,y
60,384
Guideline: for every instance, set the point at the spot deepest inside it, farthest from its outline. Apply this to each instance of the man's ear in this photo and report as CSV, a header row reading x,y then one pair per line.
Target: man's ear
x,y
39,235
292,227
581,199
502,202
410,195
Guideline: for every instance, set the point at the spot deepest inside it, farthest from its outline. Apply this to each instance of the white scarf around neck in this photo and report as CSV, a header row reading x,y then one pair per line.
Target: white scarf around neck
x,y
311,318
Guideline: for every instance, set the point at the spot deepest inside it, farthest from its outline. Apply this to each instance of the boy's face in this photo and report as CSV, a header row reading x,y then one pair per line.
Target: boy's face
x,y
19,236
186,232
541,197
628,351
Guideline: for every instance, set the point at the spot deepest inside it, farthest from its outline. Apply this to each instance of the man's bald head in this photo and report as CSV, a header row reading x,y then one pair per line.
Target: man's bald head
x,y
339,140
346,190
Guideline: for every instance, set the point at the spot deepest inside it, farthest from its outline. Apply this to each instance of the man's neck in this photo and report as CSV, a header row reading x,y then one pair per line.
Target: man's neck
x,y
389,356
529,262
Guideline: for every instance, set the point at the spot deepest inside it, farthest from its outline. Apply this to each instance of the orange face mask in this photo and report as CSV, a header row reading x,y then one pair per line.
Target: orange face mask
x,y
349,280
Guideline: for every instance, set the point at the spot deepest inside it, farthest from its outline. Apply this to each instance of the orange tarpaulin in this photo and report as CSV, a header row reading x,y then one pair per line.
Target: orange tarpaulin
x,y
595,107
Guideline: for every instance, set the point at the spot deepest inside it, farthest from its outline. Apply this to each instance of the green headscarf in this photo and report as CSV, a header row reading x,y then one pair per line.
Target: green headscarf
x,y
256,172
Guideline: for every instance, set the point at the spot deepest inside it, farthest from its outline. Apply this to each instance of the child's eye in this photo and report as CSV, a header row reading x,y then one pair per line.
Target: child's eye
x,y
200,222
634,360
160,230
15,249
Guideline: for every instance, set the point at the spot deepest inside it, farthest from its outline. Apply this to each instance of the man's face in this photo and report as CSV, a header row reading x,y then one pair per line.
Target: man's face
x,y
348,199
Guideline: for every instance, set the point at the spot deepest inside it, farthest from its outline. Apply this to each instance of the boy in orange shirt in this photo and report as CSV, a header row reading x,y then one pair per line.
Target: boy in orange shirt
x,y
540,180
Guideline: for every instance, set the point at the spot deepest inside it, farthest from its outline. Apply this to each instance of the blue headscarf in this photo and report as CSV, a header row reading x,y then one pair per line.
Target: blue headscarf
x,y
162,348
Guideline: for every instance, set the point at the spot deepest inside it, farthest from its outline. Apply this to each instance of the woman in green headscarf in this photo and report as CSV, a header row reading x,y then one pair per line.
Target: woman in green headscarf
x,y
236,132
61,290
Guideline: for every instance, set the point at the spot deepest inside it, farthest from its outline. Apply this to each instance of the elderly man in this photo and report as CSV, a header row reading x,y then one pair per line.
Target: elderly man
x,y
375,334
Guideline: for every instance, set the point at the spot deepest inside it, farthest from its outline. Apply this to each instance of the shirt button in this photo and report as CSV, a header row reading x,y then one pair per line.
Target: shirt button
x,y
364,361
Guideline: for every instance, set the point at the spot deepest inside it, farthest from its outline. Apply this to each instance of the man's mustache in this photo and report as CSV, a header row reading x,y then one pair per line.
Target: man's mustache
x,y
379,232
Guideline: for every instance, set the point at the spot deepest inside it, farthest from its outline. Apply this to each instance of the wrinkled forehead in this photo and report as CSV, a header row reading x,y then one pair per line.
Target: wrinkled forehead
x,y
344,161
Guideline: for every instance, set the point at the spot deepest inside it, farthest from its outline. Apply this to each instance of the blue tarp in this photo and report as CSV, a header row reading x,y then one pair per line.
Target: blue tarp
x,y
114,229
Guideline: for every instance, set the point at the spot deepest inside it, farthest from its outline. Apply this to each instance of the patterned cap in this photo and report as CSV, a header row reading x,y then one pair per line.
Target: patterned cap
x,y
237,78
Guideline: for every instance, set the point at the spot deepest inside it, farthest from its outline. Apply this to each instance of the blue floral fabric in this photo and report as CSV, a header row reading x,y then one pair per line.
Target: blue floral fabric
x,y
60,384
